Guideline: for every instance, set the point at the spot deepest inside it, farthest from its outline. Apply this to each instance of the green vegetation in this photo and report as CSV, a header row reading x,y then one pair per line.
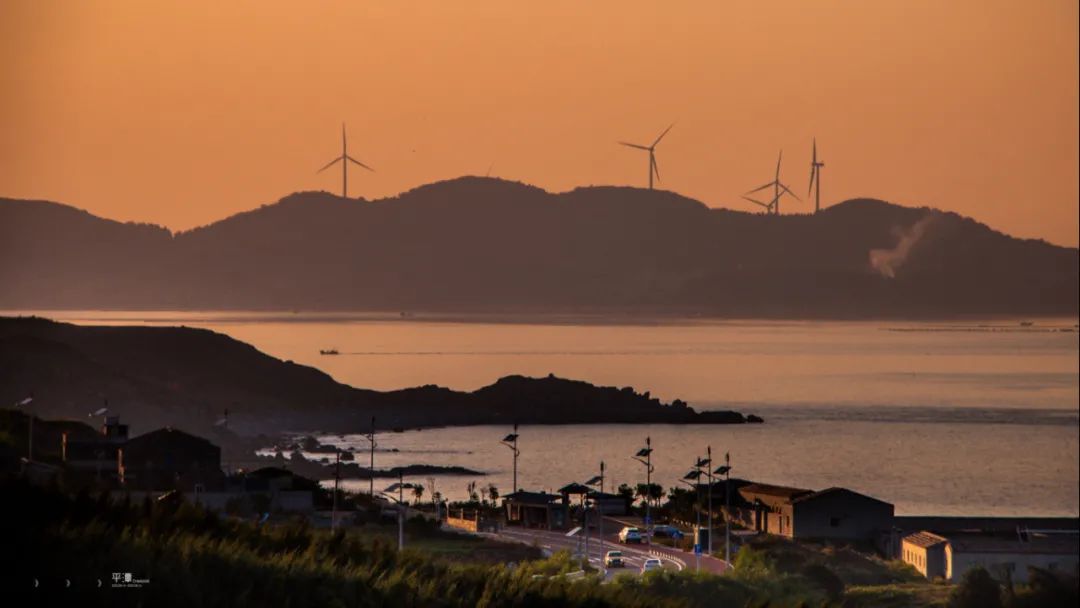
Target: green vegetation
x,y
843,575
193,557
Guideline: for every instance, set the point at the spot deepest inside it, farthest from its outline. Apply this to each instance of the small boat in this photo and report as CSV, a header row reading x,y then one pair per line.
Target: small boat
x,y
329,351
1026,323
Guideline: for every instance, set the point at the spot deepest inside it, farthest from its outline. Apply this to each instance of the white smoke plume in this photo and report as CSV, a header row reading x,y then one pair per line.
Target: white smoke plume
x,y
888,261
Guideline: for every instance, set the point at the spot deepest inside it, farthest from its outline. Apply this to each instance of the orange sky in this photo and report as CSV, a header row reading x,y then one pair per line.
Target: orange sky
x,y
181,113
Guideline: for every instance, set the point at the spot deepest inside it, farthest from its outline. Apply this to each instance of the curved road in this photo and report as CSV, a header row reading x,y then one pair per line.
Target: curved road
x,y
634,555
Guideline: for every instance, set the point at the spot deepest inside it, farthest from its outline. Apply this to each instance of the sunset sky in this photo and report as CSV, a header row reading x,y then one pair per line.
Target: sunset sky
x,y
181,113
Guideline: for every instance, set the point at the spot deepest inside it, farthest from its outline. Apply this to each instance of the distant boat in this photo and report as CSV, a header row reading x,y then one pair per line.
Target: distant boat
x,y
1026,323
329,351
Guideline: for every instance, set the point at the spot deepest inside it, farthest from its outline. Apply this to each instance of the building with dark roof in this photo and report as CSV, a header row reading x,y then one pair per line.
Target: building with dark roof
x,y
833,513
170,459
537,510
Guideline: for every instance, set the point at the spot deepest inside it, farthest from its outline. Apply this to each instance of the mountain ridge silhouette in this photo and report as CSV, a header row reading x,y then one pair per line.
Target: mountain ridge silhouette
x,y
489,245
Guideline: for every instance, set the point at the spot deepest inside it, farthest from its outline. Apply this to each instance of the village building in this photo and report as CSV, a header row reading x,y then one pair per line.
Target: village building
x,y
90,456
537,510
170,459
1006,556
926,552
609,504
833,513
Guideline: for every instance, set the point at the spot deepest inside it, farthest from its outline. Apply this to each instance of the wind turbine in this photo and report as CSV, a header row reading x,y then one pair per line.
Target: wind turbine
x,y
654,169
344,159
779,190
815,178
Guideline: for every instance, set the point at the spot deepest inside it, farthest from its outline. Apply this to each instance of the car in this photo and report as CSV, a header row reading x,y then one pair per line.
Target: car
x,y
613,559
667,531
629,535
651,564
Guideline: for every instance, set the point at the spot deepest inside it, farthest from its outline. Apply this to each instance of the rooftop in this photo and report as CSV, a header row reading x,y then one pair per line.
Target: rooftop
x,y
925,539
1064,544
832,492
764,489
532,498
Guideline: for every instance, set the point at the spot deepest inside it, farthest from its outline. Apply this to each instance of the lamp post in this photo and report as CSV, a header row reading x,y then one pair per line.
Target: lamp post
x,y
510,441
725,470
30,437
597,502
706,464
400,487
695,475
644,456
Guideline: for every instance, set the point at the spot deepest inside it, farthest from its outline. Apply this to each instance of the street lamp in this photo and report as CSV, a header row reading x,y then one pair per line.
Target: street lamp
x,y
510,441
704,463
725,470
30,438
644,456
400,487
695,476
597,502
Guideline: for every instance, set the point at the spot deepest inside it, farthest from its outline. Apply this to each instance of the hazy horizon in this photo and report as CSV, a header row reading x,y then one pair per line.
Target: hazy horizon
x,y
175,115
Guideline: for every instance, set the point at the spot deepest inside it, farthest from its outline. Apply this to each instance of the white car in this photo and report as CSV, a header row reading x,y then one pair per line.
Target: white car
x,y
614,559
629,535
651,564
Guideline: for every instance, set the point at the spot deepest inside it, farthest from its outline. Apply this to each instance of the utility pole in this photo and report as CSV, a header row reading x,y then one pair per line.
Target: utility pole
x,y
337,483
371,466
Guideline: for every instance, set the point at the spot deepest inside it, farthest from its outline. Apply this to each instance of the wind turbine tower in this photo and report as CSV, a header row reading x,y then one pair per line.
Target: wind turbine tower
x,y
779,190
815,179
344,159
654,169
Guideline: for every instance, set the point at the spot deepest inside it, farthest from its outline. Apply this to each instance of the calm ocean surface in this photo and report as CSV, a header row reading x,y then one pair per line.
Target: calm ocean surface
x,y
938,418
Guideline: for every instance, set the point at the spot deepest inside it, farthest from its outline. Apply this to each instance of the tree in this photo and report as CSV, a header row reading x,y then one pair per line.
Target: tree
x,y
418,492
493,493
977,590
653,492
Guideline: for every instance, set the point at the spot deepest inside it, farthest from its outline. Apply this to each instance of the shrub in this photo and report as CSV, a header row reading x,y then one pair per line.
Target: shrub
x,y
977,590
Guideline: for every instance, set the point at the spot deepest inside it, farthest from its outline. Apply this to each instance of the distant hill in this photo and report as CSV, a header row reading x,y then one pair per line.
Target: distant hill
x,y
186,378
488,245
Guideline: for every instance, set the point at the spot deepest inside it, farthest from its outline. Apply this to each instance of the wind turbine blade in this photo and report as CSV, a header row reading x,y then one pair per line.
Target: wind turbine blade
x,y
813,170
639,147
778,159
788,190
662,135
330,164
656,167
757,202
762,187
815,151
360,163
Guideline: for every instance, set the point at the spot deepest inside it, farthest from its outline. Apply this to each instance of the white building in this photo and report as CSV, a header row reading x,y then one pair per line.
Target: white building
x,y
1004,556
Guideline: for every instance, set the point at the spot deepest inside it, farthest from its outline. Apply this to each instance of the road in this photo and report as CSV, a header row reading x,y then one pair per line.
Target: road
x,y
634,555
